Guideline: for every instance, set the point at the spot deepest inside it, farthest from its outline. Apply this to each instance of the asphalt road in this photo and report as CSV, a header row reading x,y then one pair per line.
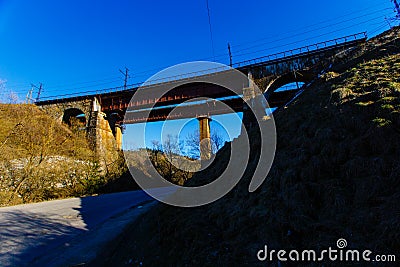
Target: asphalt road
x,y
66,232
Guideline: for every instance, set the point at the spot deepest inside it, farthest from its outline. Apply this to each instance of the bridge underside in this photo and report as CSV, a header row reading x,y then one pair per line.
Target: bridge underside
x,y
213,107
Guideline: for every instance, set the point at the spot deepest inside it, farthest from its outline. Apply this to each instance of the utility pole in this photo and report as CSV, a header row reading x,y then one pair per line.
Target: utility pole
x,y
126,76
29,96
397,7
40,88
230,55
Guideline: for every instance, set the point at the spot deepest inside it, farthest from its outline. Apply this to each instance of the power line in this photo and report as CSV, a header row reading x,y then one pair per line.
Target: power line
x,y
305,27
66,84
17,84
224,54
338,30
86,82
379,28
211,34
302,33
315,24
298,34
82,87
19,91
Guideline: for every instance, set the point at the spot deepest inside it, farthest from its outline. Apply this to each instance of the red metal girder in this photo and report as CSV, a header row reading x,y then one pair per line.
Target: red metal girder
x,y
213,108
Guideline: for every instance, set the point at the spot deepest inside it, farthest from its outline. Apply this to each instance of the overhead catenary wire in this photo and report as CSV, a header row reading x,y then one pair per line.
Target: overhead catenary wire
x,y
210,27
379,28
321,35
302,33
90,86
66,84
22,91
236,51
223,55
290,35
317,24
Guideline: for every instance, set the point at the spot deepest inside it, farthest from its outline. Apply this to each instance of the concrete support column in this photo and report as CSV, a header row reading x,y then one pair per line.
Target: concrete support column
x,y
248,97
205,141
118,136
102,140
253,99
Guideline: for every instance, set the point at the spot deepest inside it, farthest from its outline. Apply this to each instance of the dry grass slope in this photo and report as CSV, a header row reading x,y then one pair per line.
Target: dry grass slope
x,y
42,159
26,125
335,175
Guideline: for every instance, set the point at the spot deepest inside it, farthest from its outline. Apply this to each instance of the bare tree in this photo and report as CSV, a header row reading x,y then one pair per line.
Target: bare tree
x,y
7,95
13,97
170,162
171,150
193,143
156,145
217,141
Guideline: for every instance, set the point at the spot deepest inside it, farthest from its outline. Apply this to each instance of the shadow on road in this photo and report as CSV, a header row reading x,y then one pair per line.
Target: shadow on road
x,y
24,235
71,230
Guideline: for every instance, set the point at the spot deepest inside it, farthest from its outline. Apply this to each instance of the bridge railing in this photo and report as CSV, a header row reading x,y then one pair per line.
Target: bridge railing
x,y
302,50
264,60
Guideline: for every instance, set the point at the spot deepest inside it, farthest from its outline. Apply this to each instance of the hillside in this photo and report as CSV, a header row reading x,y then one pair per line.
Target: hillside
x,y
42,159
335,175
23,124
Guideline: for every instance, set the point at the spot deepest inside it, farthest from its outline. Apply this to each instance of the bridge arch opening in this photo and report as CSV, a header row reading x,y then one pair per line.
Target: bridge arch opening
x,y
290,86
74,118
289,79
283,89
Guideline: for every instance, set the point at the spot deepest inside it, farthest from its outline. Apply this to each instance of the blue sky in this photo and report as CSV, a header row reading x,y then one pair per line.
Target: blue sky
x,y
75,46
81,45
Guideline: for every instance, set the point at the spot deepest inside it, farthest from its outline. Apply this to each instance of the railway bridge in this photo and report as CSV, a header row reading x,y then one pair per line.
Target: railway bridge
x,y
101,113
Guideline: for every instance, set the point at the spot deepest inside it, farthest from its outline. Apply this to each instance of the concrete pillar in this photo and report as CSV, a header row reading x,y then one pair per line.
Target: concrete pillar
x,y
102,140
255,100
205,141
118,136
248,97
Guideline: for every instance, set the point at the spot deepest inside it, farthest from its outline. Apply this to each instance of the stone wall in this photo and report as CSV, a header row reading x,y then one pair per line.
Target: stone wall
x,y
57,110
99,128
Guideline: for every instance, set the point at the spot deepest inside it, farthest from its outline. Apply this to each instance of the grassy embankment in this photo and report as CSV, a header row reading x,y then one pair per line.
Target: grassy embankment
x,y
42,159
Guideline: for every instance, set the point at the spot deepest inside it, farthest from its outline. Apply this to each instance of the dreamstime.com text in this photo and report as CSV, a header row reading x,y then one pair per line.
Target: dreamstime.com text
x,y
340,254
